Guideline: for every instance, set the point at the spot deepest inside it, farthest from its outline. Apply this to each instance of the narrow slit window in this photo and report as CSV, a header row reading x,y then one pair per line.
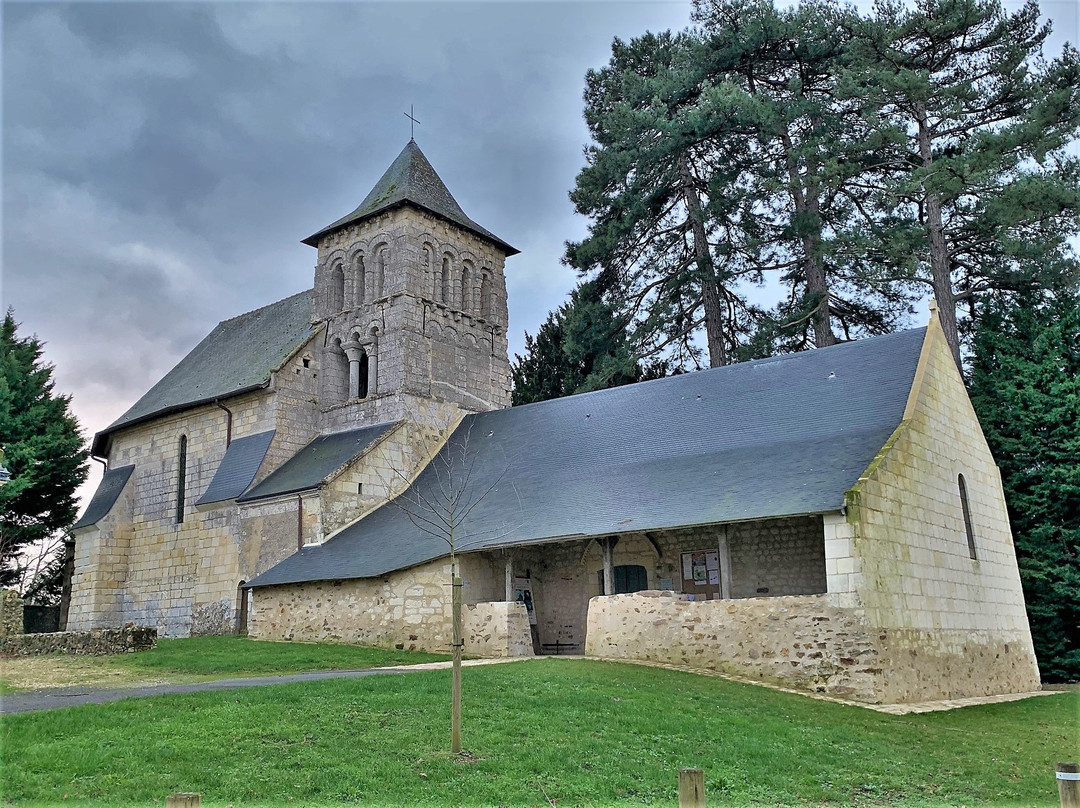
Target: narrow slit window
x,y
967,515
181,479
362,377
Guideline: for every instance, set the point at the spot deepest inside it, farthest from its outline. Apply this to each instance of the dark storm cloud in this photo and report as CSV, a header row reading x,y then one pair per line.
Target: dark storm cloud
x,y
162,161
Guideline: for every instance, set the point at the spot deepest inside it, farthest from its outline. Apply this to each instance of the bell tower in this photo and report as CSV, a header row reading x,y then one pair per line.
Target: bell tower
x,y
412,299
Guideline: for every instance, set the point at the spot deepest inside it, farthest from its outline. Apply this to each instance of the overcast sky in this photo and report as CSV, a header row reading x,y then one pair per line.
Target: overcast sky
x,y
162,161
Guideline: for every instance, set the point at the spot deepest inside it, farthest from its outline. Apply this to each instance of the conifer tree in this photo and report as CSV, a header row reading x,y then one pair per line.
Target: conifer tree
x,y
1025,386
805,157
43,450
582,346
645,190
980,186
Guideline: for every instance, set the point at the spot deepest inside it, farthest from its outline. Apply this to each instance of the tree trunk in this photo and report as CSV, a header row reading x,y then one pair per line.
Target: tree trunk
x,y
710,286
817,287
940,271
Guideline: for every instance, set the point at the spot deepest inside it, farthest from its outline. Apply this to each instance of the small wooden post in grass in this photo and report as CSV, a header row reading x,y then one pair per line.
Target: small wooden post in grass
x,y
455,682
186,800
1068,778
691,788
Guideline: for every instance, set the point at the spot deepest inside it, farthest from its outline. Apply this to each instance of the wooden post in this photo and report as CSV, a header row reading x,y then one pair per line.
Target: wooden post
x,y
691,788
724,550
184,800
608,546
509,577
1068,778
455,682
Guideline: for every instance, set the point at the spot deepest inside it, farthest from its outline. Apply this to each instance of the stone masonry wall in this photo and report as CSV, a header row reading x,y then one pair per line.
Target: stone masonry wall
x,y
497,629
951,625
381,473
452,350
180,577
785,556
98,642
408,609
800,641
11,613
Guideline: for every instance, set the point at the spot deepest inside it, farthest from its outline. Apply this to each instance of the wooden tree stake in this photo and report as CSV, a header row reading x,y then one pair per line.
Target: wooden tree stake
x,y
691,788
455,682
184,800
1068,778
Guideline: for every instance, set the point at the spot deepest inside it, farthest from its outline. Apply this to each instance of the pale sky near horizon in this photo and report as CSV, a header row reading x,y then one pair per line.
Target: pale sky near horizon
x,y
162,161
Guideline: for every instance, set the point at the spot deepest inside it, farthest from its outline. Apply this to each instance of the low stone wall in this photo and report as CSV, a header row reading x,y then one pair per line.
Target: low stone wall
x,y
799,641
97,642
11,613
497,629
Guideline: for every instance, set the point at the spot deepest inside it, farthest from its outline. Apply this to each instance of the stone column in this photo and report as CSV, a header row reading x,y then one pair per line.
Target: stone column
x,y
353,352
373,368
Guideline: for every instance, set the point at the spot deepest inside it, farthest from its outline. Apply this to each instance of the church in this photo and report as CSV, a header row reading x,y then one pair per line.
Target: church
x,y
831,521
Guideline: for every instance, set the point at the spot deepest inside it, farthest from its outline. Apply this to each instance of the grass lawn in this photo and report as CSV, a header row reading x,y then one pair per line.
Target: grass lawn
x,y
239,656
545,732
197,659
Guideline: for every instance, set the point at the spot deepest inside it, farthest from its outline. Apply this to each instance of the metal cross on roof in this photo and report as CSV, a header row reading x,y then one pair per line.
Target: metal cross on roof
x,y
412,122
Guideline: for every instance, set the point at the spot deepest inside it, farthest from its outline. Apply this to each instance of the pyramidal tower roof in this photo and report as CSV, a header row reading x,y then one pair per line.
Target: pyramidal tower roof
x,y
411,180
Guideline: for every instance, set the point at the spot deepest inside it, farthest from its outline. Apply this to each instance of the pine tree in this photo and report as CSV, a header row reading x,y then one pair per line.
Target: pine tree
x,y
1025,386
43,450
793,189
974,128
645,190
582,346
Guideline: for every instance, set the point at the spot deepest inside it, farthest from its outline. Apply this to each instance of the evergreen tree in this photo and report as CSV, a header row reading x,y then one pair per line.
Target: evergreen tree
x,y
43,450
974,128
794,196
643,188
1025,386
582,346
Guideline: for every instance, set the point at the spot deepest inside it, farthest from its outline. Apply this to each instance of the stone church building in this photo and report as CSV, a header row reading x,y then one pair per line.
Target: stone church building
x,y
830,520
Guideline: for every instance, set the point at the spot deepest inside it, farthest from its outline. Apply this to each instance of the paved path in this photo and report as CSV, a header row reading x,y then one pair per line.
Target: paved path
x,y
30,701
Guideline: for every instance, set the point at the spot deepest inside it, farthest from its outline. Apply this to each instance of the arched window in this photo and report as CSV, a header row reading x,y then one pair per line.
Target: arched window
x,y
444,281
466,289
967,515
429,273
336,373
181,478
362,381
380,279
336,295
242,609
485,294
358,281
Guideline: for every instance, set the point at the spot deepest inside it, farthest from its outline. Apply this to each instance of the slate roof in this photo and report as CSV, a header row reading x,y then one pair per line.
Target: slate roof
x,y
777,437
108,491
238,468
237,356
411,179
317,461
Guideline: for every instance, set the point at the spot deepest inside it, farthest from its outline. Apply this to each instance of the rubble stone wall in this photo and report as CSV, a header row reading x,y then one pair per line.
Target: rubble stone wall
x,y
98,642
409,609
497,629
802,642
